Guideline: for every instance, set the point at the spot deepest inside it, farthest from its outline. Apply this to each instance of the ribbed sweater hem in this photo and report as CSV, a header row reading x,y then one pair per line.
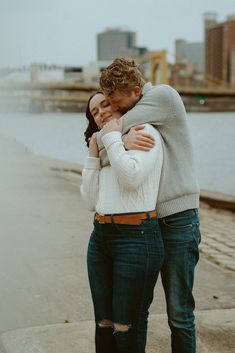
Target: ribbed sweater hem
x,y
179,204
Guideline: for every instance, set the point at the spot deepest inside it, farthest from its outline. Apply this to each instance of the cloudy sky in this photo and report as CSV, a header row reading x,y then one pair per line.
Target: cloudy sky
x,y
64,32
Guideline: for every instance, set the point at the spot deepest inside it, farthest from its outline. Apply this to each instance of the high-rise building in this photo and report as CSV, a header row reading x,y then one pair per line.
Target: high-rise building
x,y
210,19
115,42
193,53
233,66
219,43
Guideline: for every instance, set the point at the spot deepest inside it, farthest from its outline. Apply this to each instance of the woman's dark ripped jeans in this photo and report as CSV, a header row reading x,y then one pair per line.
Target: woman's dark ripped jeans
x,y
123,266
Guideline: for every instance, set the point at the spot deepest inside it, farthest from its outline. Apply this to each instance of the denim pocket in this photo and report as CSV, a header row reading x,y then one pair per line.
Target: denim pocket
x,y
174,225
127,230
182,220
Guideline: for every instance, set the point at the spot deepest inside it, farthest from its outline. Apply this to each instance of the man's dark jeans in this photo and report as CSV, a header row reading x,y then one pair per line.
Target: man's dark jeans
x,y
181,236
123,266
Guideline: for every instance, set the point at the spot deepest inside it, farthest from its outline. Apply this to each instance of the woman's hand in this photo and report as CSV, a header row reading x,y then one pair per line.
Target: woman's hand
x,y
138,140
93,147
113,125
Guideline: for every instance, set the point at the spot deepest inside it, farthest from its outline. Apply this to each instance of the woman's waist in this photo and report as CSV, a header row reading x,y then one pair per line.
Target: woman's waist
x,y
128,218
108,204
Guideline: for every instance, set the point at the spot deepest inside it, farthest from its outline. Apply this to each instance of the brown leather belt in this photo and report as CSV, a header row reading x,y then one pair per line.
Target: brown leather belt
x,y
129,219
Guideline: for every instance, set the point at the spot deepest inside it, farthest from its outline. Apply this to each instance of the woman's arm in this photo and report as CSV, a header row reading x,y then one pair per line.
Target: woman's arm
x,y
90,175
90,182
131,167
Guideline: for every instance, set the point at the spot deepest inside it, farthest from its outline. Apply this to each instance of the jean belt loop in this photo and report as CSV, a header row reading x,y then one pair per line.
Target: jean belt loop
x,y
148,217
112,219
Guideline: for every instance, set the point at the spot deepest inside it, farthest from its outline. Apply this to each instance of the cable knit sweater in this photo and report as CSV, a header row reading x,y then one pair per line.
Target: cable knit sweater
x,y
162,106
129,183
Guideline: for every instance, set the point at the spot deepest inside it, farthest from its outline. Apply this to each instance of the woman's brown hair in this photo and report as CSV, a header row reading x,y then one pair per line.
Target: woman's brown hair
x,y
92,127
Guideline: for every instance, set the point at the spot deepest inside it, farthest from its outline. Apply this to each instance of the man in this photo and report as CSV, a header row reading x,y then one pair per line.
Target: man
x,y
123,84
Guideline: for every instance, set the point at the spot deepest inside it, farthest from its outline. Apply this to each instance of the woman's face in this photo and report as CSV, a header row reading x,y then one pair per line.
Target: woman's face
x,y
101,110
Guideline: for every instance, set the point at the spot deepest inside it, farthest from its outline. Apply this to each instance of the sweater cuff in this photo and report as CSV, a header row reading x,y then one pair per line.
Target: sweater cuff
x,y
92,163
111,137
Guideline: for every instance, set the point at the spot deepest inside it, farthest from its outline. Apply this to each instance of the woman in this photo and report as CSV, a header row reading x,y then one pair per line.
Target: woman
x,y
125,251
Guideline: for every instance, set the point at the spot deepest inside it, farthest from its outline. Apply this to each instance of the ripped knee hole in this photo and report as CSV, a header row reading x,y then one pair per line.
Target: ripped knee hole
x,y
121,328
105,323
117,327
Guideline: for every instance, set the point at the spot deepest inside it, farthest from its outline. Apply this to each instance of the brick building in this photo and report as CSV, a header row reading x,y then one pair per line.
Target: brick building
x,y
219,44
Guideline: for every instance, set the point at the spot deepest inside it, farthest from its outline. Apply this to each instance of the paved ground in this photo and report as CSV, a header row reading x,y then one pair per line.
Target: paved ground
x,y
218,241
45,303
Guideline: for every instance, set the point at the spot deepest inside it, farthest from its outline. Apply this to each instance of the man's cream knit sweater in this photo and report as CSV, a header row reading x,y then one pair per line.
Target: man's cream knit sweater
x,y
162,107
129,183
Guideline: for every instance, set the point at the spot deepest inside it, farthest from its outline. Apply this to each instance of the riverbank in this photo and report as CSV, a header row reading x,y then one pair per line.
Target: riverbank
x,y
203,103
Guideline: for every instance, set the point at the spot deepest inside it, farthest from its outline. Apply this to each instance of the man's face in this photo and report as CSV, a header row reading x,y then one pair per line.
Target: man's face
x,y
123,102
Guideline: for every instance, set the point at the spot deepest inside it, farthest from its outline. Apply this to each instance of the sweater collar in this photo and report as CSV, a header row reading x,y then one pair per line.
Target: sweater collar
x,y
147,87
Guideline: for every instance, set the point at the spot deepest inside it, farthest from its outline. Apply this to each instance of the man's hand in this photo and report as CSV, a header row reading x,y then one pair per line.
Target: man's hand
x,y
113,125
136,139
93,147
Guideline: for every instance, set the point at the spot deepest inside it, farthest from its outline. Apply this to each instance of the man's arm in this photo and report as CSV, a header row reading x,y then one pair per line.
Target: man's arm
x,y
152,108
158,106
155,107
137,139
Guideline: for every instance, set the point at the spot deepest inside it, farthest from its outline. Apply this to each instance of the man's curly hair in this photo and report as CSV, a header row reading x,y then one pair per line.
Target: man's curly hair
x,y
122,75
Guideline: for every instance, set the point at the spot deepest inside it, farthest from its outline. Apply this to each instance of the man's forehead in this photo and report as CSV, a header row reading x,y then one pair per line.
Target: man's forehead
x,y
106,94
116,94
110,96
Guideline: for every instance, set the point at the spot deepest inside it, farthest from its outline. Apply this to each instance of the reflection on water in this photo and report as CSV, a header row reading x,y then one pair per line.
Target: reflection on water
x,y
61,136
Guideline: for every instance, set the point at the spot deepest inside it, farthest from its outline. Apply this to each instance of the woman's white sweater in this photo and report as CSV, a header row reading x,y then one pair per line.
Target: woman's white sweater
x,y
130,183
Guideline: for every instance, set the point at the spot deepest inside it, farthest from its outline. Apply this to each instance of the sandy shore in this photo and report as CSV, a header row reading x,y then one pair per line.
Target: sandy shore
x,y
44,233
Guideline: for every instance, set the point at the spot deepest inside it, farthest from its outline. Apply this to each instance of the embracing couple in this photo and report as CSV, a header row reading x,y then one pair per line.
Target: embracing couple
x,y
140,181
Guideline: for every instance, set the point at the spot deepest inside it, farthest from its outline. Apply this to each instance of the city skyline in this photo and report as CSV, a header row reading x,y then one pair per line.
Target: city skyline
x,y
66,33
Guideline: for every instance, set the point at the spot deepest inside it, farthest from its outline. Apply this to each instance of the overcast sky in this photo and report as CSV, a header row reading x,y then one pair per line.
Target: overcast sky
x,y
64,32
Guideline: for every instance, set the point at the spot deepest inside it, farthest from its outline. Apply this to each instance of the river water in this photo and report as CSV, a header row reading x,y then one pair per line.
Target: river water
x,y
60,135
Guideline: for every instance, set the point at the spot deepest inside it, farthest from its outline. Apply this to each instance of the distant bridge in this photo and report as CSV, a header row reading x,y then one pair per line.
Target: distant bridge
x,y
88,88
62,95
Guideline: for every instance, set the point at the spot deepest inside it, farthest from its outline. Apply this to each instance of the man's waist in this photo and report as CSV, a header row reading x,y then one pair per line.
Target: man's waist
x,y
178,204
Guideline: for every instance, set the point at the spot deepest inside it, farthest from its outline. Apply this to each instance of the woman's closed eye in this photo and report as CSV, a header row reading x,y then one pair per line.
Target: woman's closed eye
x,y
94,112
105,103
